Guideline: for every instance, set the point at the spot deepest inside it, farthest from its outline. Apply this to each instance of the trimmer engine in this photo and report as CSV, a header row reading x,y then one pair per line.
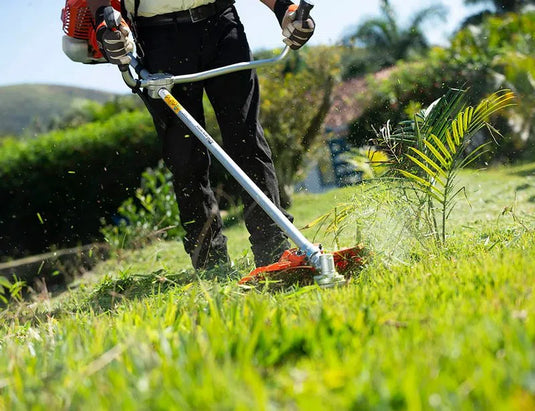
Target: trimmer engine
x,y
79,42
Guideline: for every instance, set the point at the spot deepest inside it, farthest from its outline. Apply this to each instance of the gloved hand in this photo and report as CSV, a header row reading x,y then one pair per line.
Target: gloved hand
x,y
113,36
296,32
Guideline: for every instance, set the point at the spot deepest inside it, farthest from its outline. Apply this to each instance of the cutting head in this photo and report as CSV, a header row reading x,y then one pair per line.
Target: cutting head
x,y
293,268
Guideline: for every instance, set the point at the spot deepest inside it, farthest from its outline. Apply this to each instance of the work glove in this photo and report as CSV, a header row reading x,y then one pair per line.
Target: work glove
x,y
113,35
296,32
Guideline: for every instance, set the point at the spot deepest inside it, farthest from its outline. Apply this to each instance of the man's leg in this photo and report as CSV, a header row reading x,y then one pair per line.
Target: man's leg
x,y
235,98
165,50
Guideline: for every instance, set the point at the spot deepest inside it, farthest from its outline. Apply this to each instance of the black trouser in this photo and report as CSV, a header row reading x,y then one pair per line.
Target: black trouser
x,y
181,48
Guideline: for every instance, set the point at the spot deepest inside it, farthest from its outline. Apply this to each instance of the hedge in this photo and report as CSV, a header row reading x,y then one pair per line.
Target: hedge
x,y
55,189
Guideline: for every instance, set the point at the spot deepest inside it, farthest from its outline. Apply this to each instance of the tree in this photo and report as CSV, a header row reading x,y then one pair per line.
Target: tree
x,y
386,41
294,105
503,46
500,8
503,6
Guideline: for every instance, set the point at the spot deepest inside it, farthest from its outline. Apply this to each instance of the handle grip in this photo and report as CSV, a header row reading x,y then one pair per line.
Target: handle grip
x,y
303,11
113,19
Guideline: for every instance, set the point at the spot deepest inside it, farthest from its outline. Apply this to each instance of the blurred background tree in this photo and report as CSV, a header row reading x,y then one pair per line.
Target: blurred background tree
x,y
503,6
503,47
498,52
295,103
381,41
498,7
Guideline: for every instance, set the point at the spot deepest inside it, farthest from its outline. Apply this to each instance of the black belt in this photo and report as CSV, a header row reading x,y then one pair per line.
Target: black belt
x,y
187,16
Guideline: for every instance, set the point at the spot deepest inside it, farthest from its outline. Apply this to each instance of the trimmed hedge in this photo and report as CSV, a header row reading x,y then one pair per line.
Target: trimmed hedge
x,y
54,190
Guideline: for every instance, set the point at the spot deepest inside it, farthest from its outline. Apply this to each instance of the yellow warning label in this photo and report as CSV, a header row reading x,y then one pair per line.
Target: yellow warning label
x,y
172,103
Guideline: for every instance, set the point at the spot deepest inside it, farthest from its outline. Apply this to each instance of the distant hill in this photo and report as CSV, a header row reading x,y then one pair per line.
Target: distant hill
x,y
20,105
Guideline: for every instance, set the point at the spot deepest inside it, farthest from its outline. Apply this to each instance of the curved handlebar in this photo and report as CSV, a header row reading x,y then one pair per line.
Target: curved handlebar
x,y
163,80
148,80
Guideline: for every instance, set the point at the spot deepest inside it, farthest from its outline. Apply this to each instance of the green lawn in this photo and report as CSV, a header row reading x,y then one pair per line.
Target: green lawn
x,y
420,327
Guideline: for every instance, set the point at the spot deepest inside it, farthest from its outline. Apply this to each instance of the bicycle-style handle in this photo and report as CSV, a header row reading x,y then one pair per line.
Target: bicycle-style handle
x,y
113,19
155,81
303,11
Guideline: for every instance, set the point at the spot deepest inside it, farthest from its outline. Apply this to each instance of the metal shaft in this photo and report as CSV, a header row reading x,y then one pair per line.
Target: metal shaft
x,y
312,251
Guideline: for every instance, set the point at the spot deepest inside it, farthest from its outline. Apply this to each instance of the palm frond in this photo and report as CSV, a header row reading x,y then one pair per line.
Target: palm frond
x,y
438,170
437,120
373,33
435,11
428,187
443,156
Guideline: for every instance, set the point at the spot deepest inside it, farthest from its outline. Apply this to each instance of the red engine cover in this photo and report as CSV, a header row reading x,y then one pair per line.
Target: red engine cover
x,y
78,23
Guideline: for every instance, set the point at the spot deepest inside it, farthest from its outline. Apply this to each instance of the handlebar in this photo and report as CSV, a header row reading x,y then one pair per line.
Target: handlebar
x,y
148,80
156,81
303,11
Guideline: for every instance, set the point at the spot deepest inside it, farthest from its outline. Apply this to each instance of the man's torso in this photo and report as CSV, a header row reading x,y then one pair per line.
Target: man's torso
x,y
150,8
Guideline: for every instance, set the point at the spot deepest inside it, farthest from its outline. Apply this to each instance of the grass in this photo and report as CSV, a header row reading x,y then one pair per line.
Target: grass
x,y
418,328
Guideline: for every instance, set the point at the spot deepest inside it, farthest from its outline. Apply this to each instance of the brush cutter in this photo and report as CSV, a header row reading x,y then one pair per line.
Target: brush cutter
x,y
304,264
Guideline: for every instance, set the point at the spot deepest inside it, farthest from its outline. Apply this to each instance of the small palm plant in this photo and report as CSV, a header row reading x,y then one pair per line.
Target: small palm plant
x,y
431,149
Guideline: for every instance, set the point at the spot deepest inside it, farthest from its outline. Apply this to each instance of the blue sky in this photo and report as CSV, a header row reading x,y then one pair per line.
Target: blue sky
x,y
31,42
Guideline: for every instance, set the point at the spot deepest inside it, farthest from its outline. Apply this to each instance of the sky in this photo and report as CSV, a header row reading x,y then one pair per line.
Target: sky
x,y
31,42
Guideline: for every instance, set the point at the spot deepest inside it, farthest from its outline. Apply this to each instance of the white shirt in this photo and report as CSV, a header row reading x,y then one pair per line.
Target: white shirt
x,y
150,8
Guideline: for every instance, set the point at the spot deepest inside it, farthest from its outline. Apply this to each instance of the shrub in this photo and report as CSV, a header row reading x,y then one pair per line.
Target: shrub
x,y
494,55
152,213
55,189
415,84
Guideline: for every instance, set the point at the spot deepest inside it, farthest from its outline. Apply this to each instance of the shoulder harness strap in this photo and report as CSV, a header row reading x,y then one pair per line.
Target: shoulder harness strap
x,y
136,7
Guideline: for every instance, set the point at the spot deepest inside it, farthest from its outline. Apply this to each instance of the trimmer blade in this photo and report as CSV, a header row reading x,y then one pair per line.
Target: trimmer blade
x,y
292,269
